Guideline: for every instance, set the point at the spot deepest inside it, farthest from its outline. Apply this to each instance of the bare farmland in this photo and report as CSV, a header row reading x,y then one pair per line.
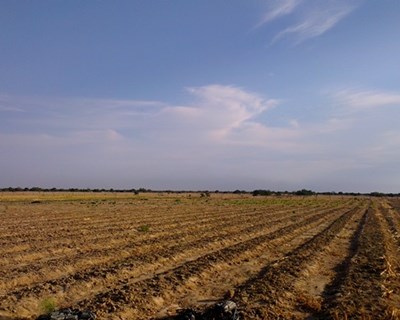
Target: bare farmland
x,y
144,256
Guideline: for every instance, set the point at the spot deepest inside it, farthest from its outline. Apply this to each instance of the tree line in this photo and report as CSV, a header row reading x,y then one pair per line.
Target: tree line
x,y
257,192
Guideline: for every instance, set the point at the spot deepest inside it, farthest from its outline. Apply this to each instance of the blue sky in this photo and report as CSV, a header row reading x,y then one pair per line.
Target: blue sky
x,y
273,94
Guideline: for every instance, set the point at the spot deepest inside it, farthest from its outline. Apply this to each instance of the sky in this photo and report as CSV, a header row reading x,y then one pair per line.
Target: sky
x,y
200,95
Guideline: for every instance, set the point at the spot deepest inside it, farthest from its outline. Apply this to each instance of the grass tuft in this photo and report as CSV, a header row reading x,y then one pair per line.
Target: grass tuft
x,y
48,305
144,228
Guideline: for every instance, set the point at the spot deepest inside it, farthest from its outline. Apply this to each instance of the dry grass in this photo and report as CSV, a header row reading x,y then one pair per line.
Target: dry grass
x,y
309,303
76,246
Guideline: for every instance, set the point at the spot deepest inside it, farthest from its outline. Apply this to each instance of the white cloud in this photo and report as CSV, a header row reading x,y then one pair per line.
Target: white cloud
x,y
333,125
214,109
182,111
281,139
294,123
225,108
311,18
277,9
367,99
220,134
315,25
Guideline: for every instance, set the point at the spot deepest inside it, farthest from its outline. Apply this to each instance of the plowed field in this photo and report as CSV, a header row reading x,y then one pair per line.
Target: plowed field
x,y
145,256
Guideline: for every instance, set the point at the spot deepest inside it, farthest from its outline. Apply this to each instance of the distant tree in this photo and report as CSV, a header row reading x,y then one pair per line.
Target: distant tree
x,y
377,194
304,192
260,192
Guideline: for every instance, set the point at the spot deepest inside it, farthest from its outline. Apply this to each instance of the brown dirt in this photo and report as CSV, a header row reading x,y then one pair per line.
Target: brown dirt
x,y
277,257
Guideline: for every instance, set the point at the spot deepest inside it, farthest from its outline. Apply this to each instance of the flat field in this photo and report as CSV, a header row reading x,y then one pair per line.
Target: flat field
x,y
144,256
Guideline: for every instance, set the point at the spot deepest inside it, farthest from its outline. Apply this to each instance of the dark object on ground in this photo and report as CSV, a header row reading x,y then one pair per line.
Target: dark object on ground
x,y
68,314
188,314
226,310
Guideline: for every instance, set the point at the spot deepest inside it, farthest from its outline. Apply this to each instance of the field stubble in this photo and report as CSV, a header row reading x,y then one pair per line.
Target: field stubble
x,y
142,257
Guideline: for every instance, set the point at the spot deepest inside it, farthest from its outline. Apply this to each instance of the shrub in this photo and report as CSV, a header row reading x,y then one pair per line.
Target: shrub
x,y
304,192
261,193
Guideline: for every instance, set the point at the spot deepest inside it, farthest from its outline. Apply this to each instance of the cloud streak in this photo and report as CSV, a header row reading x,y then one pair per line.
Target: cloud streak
x,y
315,24
367,99
312,18
277,9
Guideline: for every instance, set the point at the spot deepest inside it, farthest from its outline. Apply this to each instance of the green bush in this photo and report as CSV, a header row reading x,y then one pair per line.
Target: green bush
x,y
48,305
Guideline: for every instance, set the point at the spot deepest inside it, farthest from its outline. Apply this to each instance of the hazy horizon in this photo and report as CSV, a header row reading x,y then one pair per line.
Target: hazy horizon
x,y
205,95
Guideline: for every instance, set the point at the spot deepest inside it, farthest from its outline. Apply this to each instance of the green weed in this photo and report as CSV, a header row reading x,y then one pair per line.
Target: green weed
x,y
48,305
144,228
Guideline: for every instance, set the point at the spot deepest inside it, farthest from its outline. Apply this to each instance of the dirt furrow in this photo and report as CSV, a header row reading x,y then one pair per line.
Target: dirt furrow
x,y
217,280
88,226
393,220
134,293
73,229
391,281
361,282
129,249
141,257
317,284
69,243
88,249
183,237
102,236
93,254
266,296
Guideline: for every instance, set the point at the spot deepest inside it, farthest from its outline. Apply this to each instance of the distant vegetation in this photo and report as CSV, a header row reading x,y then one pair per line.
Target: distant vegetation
x,y
204,193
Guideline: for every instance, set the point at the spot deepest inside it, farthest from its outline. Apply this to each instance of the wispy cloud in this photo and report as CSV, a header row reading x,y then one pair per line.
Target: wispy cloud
x,y
367,99
315,24
214,111
6,106
10,109
228,107
311,18
110,142
277,9
218,113
219,137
